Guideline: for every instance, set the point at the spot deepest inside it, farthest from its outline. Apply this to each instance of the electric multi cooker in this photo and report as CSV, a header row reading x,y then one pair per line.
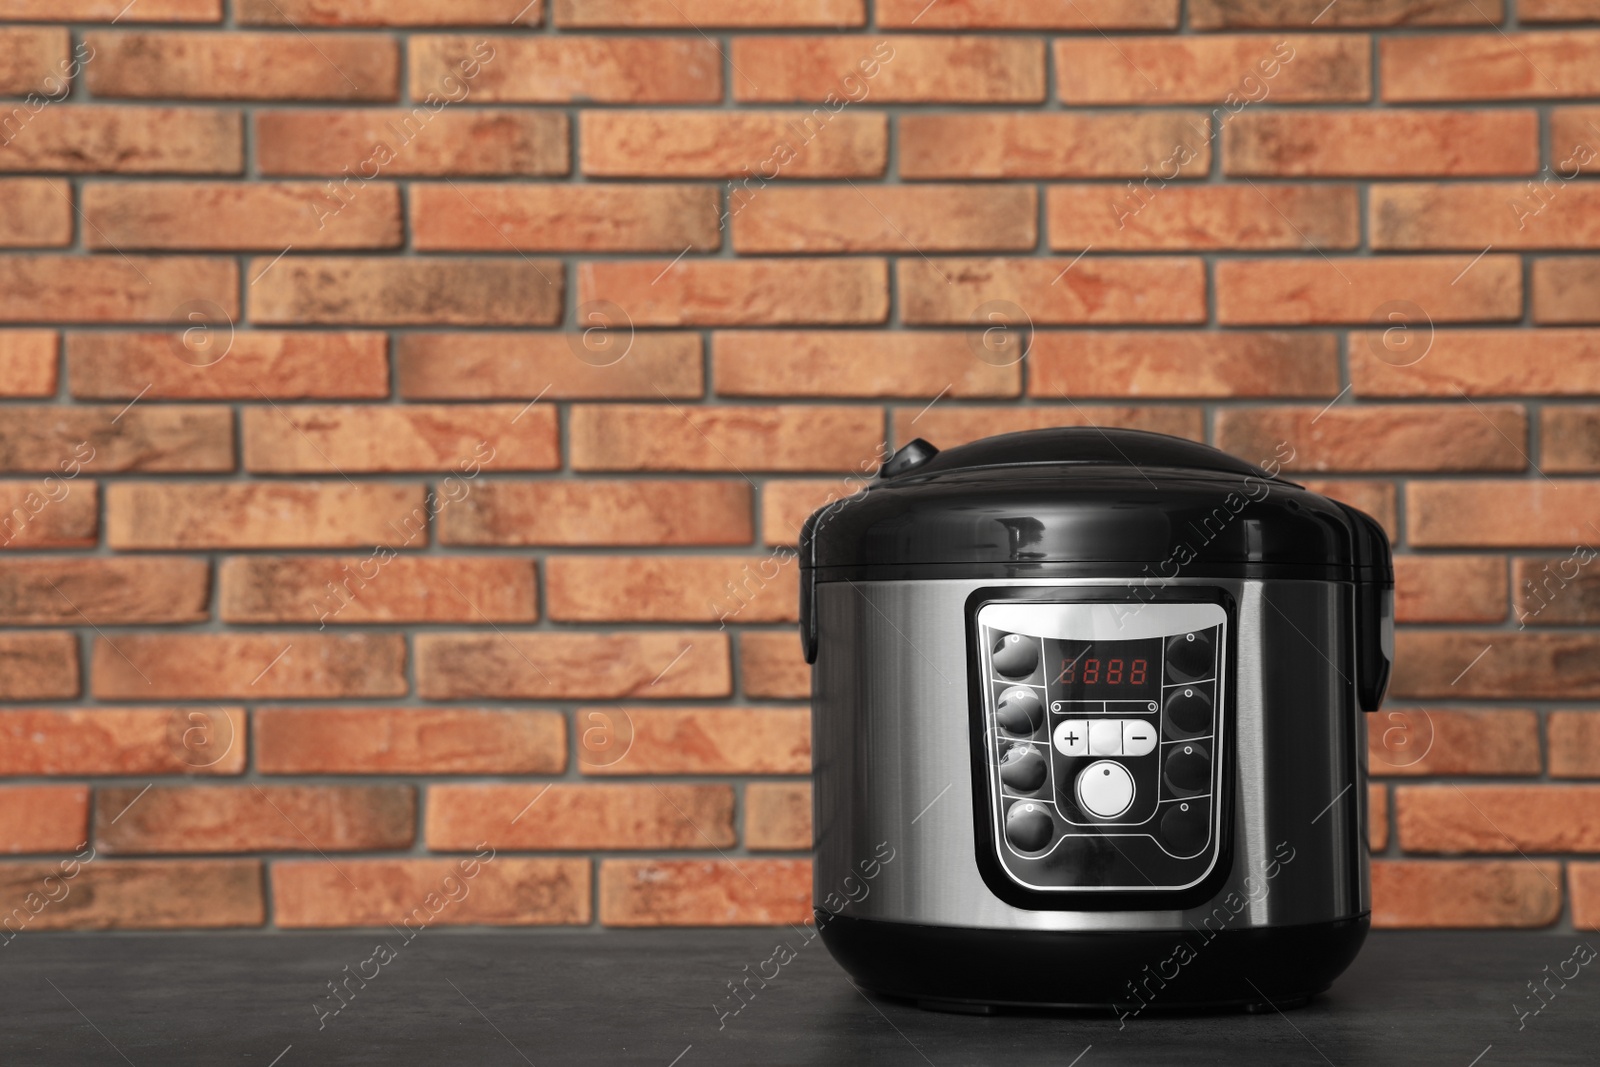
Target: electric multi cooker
x,y
1087,724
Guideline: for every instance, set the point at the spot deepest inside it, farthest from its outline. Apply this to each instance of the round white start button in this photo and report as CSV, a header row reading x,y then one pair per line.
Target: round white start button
x,y
1105,789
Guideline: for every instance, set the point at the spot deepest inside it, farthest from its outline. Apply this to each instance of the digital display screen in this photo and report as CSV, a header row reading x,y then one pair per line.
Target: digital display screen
x,y
1105,670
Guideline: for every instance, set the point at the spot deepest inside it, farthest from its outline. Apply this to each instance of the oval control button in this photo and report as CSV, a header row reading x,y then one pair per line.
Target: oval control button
x,y
1138,737
1029,826
1188,711
1190,656
1019,710
1016,656
1183,828
1189,766
1105,789
1072,737
1023,768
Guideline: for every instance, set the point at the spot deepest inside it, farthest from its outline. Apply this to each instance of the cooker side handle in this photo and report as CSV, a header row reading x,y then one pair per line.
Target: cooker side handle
x,y
1374,635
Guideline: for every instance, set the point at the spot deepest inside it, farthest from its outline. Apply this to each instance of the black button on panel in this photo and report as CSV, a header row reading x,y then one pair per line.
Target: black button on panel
x,y
1019,710
1029,826
1191,656
1184,827
1023,768
1188,711
1016,656
1188,766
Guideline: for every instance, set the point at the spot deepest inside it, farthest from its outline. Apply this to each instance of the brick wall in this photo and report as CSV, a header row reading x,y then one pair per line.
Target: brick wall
x,y
410,406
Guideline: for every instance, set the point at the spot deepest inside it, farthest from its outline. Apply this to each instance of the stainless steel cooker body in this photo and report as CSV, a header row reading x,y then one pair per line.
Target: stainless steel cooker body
x,y
894,768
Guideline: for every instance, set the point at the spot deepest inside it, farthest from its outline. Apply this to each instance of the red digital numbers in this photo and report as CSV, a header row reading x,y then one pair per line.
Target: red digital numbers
x,y
1108,672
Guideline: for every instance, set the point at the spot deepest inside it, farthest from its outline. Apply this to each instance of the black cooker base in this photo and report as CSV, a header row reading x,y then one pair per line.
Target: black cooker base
x,y
949,968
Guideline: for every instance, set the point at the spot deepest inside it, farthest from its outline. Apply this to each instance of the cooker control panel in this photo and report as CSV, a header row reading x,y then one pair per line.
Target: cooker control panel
x,y
1102,725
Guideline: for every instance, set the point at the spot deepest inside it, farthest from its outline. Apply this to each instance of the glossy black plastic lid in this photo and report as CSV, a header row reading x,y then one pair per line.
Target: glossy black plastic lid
x,y
1088,501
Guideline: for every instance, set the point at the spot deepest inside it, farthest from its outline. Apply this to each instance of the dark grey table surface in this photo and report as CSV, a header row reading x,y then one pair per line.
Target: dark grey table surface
x,y
653,998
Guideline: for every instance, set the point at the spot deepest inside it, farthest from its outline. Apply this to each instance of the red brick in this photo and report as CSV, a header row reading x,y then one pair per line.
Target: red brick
x,y
908,219
1134,219
227,216
243,66
1556,10
1566,289
1183,363
1099,290
436,291
1449,588
107,10
1446,288
122,741
420,142
1522,362
1574,744
376,588
253,818
1465,893
757,146
1054,145
730,892
787,503
388,13
34,60
889,69
856,363
419,893
1393,437
950,426
113,288
43,818
1434,741
570,69
1381,143
1269,14
1377,818
35,213
1556,589
793,437
1585,881
606,360
38,666
552,666
1516,666
1376,498
777,816
106,894
52,513
1471,215
714,741
46,591
210,361
145,437
666,14
28,361
259,666
87,139
1032,15
602,512
277,514
406,740
1568,439
672,588
1293,68
771,666
1490,66
565,815
1498,818
713,292
1572,129
544,218
332,439
1501,514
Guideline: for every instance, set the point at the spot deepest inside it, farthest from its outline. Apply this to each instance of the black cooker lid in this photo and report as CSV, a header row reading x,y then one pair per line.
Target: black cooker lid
x,y
1088,501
